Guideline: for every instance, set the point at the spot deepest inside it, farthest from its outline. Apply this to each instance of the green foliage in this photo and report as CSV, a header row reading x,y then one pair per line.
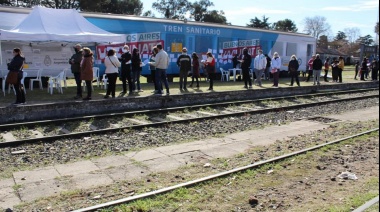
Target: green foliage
x,y
216,17
377,28
366,40
286,25
172,9
261,24
199,9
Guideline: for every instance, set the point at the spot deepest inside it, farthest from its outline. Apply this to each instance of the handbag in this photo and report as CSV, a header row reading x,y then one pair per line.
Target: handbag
x,y
12,78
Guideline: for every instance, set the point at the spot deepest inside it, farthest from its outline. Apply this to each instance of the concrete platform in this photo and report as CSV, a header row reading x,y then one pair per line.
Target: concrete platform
x,y
49,181
77,108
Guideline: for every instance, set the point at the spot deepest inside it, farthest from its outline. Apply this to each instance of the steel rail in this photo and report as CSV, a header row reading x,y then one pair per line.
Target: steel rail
x,y
156,124
8,127
216,176
367,205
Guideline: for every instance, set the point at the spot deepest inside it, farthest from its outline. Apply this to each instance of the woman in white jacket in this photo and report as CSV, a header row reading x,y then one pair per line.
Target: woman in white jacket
x,y
112,64
276,66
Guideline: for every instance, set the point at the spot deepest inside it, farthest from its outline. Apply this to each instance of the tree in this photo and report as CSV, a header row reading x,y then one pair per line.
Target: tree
x,y
129,7
199,10
215,17
172,9
316,26
352,34
59,4
261,24
340,36
366,40
149,13
286,25
377,28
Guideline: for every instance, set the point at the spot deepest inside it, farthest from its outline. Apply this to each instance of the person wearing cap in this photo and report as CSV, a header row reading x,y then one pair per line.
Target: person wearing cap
x,y
260,66
75,62
184,64
126,72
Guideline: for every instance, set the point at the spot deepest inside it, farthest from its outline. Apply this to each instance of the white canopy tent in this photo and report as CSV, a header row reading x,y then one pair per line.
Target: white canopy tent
x,y
61,25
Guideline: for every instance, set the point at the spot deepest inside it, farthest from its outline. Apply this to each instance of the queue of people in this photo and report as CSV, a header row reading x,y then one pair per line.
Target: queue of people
x,y
130,65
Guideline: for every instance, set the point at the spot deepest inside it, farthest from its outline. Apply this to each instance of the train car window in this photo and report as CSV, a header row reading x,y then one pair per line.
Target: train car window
x,y
291,48
310,50
279,48
203,43
175,42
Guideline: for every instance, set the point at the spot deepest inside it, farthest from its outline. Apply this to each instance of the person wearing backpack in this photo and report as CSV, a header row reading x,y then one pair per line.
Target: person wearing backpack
x,y
112,64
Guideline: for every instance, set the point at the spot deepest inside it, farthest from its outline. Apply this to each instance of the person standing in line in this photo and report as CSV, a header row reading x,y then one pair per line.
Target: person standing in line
x,y
112,64
75,61
317,69
364,69
267,69
335,70
153,68
293,70
341,69
357,69
126,75
87,72
375,69
16,67
245,66
161,64
136,70
327,67
196,69
260,66
211,69
276,66
184,64
310,70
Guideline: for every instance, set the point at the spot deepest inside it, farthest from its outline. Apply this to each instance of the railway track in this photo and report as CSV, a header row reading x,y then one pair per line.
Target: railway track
x,y
221,110
219,175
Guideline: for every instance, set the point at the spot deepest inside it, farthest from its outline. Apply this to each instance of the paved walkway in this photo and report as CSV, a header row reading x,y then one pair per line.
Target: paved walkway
x,y
88,174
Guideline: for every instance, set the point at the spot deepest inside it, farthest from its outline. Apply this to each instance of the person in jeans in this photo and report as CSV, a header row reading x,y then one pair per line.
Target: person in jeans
x,y
276,66
112,64
267,69
245,66
126,75
75,62
341,69
152,68
293,70
260,66
16,66
184,64
136,70
87,72
327,67
211,69
310,68
161,64
196,69
317,69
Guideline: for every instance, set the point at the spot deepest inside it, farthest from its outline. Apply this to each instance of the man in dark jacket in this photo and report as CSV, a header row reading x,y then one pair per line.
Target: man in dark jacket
x,y
75,62
126,72
317,69
245,66
267,69
184,63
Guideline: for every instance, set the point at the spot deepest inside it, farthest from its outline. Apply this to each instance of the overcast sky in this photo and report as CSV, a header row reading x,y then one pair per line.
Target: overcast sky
x,y
362,14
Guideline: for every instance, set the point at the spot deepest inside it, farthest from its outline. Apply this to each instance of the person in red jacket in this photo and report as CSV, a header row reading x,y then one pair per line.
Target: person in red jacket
x,y
210,67
310,72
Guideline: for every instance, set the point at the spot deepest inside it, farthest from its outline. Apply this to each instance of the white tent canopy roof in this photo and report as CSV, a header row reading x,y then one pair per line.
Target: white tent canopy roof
x,y
62,25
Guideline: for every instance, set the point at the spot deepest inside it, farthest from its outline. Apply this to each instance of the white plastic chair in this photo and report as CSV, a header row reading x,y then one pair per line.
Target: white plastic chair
x,y
37,79
225,74
56,82
105,81
96,76
24,75
65,76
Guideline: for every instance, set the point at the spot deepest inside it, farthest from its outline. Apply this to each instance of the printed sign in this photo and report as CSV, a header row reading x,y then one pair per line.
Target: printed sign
x,y
232,48
176,47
